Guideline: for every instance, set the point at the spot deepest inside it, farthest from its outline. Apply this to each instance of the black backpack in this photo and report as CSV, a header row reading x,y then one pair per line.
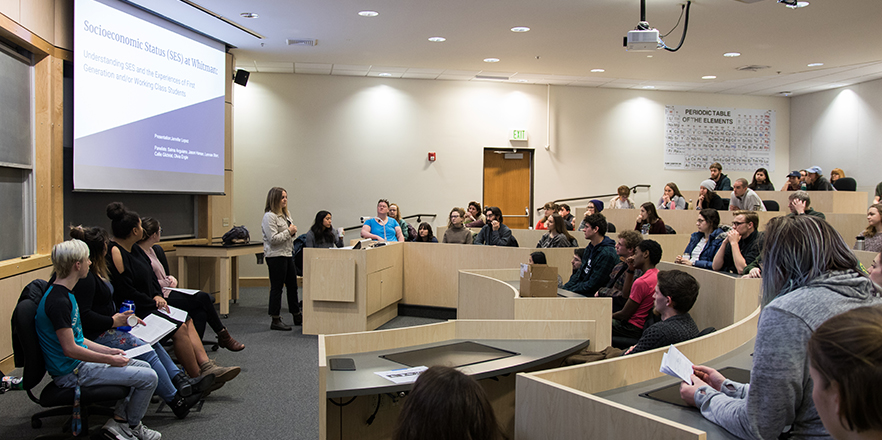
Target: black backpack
x,y
237,235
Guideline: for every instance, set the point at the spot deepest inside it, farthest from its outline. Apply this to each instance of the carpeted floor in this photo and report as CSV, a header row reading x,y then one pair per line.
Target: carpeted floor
x,y
275,396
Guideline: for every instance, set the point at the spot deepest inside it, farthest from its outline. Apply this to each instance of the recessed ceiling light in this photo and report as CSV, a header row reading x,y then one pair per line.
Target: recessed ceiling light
x,y
368,13
597,70
732,54
437,39
520,29
815,64
785,93
385,74
522,80
649,56
709,77
491,60
795,5
249,15
648,87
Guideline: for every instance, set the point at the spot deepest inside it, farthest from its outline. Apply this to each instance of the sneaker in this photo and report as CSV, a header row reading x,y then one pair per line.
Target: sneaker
x,y
142,432
181,405
119,430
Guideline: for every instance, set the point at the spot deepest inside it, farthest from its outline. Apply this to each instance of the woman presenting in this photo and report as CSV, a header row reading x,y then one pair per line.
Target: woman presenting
x,y
278,244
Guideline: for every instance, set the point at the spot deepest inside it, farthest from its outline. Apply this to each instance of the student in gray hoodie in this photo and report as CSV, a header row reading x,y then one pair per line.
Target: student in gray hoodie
x,y
809,276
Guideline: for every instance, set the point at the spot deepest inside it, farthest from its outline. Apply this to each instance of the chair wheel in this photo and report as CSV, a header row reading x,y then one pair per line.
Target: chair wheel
x,y
36,423
215,347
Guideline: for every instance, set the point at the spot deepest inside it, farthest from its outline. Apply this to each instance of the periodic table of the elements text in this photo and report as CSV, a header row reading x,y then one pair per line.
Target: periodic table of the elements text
x,y
739,139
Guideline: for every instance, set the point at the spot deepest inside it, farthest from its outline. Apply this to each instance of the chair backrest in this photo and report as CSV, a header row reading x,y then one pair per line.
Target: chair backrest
x,y
771,205
845,184
706,331
669,230
24,329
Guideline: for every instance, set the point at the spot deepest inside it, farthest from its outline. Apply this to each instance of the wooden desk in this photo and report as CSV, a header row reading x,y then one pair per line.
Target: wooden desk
x,y
561,338
229,268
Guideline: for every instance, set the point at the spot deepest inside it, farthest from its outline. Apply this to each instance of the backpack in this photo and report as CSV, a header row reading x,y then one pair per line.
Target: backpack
x,y
237,235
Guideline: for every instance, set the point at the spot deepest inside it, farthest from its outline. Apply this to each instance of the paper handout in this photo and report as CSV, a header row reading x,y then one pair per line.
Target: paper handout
x,y
154,329
674,363
404,375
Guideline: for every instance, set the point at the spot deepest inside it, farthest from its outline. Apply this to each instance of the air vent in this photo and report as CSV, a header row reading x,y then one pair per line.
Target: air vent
x,y
491,78
751,68
301,41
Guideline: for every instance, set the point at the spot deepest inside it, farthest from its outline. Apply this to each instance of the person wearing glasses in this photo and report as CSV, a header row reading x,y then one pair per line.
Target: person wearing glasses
x,y
382,227
742,244
494,233
456,231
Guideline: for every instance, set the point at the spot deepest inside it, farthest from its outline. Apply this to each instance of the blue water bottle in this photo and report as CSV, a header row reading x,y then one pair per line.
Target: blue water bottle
x,y
126,306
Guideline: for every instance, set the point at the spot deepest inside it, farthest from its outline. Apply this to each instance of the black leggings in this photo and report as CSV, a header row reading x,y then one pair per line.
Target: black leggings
x,y
200,307
282,272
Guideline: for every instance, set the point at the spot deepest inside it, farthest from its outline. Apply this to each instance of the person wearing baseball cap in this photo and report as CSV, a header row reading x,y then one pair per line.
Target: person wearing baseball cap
x,y
815,181
792,181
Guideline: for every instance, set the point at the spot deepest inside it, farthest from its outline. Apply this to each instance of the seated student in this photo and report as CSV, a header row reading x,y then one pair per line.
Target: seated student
x,y
742,245
875,272
648,221
815,181
815,278
878,194
846,371
576,262
406,230
200,306
133,279
424,234
322,234
672,199
626,245
799,205
597,261
761,181
74,361
557,235
446,404
564,211
703,245
474,216
721,180
793,182
456,231
836,174
744,198
708,198
674,296
629,321
382,227
99,320
621,201
873,234
494,233
593,207
548,209
538,257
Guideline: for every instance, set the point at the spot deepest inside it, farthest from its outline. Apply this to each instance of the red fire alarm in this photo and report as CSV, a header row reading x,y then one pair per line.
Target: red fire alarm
x,y
431,156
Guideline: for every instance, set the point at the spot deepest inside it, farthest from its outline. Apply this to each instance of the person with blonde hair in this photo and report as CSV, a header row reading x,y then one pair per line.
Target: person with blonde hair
x,y
395,213
278,248
456,232
836,174
846,372
621,201
809,276
547,209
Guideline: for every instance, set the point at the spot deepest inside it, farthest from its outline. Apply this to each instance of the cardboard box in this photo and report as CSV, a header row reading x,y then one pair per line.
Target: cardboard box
x,y
538,280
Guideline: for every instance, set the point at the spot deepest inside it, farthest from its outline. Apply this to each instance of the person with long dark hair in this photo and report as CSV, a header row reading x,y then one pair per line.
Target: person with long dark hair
x,y
278,249
446,404
322,233
809,276
648,221
672,199
557,235
761,181
199,305
424,234
708,198
703,244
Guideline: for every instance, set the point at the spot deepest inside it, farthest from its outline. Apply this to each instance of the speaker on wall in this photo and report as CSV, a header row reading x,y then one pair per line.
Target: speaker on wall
x,y
241,77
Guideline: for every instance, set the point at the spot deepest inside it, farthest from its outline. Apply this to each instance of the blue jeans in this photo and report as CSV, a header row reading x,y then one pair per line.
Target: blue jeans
x,y
158,359
137,374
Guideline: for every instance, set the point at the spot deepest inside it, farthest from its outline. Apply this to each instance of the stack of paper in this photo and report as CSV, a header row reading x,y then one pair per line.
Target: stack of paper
x,y
674,363
174,313
404,375
154,329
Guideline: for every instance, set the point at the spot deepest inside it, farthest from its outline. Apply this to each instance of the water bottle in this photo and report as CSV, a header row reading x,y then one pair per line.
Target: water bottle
x,y
802,186
859,245
11,383
126,306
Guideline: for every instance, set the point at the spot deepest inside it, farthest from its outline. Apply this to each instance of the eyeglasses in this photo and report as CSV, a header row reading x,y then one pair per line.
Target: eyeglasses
x,y
734,223
454,215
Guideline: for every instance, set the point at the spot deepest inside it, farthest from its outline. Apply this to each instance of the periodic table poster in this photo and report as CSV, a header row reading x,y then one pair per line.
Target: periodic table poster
x,y
739,139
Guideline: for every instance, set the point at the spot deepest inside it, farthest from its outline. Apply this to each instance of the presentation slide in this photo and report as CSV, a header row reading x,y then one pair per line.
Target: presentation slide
x,y
148,103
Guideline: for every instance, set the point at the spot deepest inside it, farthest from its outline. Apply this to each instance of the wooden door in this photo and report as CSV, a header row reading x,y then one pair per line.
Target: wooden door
x,y
508,184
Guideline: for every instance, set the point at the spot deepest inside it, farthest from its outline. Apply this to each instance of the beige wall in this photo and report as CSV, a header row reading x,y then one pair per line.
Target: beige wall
x,y
341,143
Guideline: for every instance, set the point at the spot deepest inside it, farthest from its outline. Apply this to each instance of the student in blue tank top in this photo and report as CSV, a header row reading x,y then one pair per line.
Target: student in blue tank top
x,y
382,228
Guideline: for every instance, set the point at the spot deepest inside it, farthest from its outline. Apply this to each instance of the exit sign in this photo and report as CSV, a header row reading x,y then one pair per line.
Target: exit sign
x,y
519,135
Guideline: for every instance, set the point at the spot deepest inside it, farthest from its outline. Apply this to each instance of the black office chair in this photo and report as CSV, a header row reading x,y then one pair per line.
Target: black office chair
x,y
845,184
28,354
669,230
610,228
725,202
624,342
771,205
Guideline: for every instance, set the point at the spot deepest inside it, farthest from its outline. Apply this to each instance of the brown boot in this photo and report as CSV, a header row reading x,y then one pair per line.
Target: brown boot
x,y
221,374
226,341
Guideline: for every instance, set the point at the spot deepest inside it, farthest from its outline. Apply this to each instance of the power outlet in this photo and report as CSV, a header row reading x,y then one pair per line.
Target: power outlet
x,y
226,221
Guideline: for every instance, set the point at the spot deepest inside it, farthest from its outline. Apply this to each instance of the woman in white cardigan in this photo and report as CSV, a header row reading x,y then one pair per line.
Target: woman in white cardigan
x,y
278,243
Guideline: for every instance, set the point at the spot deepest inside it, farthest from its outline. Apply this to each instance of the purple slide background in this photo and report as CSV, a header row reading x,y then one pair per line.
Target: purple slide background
x,y
130,146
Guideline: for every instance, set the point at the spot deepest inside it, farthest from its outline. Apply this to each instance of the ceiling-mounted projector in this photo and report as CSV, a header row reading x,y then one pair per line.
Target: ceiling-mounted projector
x,y
642,40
